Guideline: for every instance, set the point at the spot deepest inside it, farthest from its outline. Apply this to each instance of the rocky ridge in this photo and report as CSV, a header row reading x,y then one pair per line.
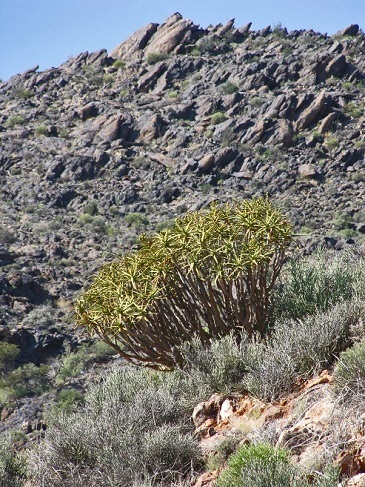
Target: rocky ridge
x,y
111,144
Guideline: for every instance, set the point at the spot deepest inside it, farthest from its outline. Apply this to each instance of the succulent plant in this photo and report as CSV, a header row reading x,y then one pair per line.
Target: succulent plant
x,y
211,273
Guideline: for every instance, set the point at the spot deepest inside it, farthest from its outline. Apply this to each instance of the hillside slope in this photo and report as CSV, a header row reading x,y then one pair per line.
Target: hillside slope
x,y
108,145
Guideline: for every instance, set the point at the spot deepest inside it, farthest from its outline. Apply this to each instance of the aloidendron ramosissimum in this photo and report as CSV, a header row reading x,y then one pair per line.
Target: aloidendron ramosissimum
x,y
209,274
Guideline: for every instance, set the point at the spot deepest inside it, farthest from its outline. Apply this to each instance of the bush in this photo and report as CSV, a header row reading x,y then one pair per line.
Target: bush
x,y
12,464
353,110
209,274
6,236
135,423
68,400
119,63
73,363
217,118
91,208
136,219
298,349
349,373
332,143
155,57
41,130
262,465
229,88
8,353
28,380
220,366
315,283
15,120
258,465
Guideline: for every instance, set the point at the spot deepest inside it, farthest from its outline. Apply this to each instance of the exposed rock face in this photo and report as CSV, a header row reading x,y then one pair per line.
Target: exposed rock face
x,y
174,32
154,38
133,46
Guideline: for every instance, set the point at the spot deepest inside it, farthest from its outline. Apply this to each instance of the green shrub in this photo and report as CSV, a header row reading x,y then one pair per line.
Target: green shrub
x,y
72,364
259,465
15,120
298,349
68,400
8,353
135,422
173,94
191,279
41,130
155,57
349,373
42,316
91,208
256,101
28,380
220,366
6,235
332,143
217,118
316,283
229,88
262,465
12,464
108,78
353,110
119,63
136,219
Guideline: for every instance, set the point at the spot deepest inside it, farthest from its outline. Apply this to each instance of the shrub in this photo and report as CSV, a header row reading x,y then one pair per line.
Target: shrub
x,y
298,349
91,208
135,422
72,364
8,353
12,464
137,219
210,274
155,57
220,366
42,316
15,120
229,88
353,110
28,380
316,283
332,143
41,130
262,465
119,63
258,466
349,373
217,118
68,400
6,236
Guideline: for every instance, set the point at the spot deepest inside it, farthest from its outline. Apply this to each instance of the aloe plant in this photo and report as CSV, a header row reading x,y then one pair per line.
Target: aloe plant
x,y
209,274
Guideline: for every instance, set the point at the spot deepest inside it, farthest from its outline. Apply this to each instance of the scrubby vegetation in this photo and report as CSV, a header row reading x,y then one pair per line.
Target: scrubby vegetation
x,y
262,465
133,426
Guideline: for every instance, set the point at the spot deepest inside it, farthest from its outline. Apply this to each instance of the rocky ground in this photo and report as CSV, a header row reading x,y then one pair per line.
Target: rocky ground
x,y
109,145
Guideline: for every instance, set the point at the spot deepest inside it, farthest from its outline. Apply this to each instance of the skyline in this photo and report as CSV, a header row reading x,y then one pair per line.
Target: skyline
x,y
38,33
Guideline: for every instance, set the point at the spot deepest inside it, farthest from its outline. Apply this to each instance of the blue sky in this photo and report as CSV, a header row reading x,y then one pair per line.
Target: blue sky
x,y
48,32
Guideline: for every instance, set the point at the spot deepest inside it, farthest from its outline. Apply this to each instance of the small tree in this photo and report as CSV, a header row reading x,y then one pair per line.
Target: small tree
x,y
211,273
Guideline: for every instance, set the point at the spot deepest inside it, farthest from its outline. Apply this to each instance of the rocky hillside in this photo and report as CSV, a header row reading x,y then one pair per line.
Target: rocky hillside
x,y
108,145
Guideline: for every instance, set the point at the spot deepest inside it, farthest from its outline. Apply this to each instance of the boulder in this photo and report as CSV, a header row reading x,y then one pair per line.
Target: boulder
x,y
311,114
307,171
134,45
351,30
170,35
